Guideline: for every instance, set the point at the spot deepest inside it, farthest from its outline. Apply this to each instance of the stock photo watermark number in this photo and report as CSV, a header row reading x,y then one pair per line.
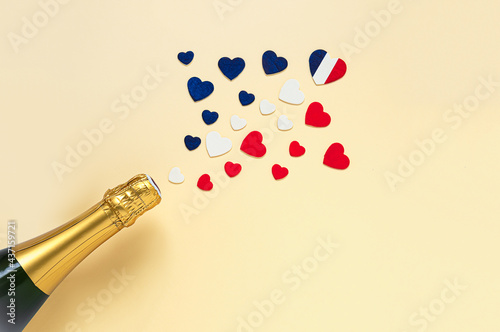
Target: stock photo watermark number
x,y
11,271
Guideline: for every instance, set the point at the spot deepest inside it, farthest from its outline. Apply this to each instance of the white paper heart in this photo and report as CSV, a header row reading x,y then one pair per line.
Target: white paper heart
x,y
284,123
267,107
175,175
217,145
290,92
238,123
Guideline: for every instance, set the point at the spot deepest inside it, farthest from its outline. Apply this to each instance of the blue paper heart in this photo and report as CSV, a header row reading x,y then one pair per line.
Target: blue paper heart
x,y
246,98
273,64
192,142
185,57
231,68
209,117
199,90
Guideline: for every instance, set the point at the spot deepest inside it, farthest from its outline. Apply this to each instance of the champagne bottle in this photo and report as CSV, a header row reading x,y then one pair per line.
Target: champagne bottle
x,y
30,271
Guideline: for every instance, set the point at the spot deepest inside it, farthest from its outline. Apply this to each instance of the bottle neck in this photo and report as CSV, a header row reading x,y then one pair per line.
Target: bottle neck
x,y
50,257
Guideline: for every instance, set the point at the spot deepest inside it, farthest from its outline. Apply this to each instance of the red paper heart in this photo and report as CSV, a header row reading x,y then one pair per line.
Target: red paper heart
x,y
335,157
252,144
279,172
232,169
316,117
296,150
204,182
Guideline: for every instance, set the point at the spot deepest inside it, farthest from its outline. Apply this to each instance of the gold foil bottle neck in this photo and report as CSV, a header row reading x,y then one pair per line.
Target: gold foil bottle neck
x,y
130,200
50,257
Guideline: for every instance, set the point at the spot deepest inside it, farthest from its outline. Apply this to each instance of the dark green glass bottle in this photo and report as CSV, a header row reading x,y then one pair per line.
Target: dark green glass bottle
x,y
20,299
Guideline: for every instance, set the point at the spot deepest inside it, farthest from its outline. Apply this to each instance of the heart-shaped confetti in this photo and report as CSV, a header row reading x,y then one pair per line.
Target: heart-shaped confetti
x,y
284,123
273,64
199,90
296,150
192,142
266,107
252,145
279,172
204,183
175,175
246,98
232,169
209,117
185,57
324,69
335,157
238,123
231,68
316,117
290,92
217,145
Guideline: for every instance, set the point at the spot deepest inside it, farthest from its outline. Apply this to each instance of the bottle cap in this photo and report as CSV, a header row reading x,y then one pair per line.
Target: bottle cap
x,y
128,201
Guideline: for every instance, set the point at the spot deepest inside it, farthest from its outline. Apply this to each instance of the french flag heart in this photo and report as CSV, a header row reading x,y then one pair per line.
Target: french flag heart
x,y
324,69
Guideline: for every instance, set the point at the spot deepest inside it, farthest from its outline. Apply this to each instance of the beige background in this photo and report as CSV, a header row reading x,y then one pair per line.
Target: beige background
x,y
398,249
